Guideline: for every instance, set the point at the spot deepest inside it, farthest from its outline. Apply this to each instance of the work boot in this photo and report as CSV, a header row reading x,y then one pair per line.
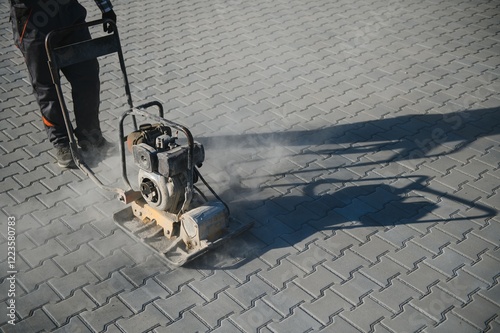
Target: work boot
x,y
64,157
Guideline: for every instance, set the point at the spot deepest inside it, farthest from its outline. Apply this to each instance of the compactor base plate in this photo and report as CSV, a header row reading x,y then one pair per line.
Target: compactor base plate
x,y
173,249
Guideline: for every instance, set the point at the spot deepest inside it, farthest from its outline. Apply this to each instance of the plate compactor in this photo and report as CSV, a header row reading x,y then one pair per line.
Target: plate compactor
x,y
166,210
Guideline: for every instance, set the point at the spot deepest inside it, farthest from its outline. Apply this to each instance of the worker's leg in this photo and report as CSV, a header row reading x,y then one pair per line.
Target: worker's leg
x,y
33,48
30,25
85,89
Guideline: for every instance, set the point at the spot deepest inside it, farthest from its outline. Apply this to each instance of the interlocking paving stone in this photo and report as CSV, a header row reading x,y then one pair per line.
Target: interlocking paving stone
x,y
410,255
28,223
408,320
106,245
104,267
309,258
82,201
76,258
366,314
67,284
422,278
47,270
43,234
485,269
223,306
251,267
29,206
458,230
59,210
137,251
178,304
226,326
150,318
35,299
283,302
472,247
100,292
247,293
210,286
436,304
374,249
326,307
345,265
299,321
38,322
337,243
340,325
139,273
278,277
61,311
434,241
448,262
75,325
105,227
79,237
362,140
318,281
259,315
53,198
175,279
453,323
395,296
190,323
356,288
491,294
275,253
478,312
100,317
383,272
463,286
147,293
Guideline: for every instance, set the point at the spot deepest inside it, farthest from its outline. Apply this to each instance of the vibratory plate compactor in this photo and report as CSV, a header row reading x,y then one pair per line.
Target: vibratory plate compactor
x,y
166,211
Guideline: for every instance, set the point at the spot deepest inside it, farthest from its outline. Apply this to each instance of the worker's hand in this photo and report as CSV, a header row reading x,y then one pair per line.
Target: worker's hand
x,y
106,26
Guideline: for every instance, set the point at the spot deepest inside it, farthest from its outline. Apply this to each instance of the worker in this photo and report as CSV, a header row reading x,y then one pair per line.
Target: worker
x,y
31,21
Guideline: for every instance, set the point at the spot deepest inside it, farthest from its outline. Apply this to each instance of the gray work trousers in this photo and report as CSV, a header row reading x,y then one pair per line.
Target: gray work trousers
x,y
31,22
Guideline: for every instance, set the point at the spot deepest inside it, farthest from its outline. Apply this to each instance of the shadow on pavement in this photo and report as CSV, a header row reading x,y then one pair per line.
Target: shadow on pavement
x,y
350,207
382,202
408,137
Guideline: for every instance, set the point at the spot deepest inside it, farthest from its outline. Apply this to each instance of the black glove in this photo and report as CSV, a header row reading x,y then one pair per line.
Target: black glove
x,y
111,16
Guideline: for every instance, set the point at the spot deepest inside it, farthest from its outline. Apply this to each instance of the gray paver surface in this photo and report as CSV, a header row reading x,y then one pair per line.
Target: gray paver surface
x,y
362,138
